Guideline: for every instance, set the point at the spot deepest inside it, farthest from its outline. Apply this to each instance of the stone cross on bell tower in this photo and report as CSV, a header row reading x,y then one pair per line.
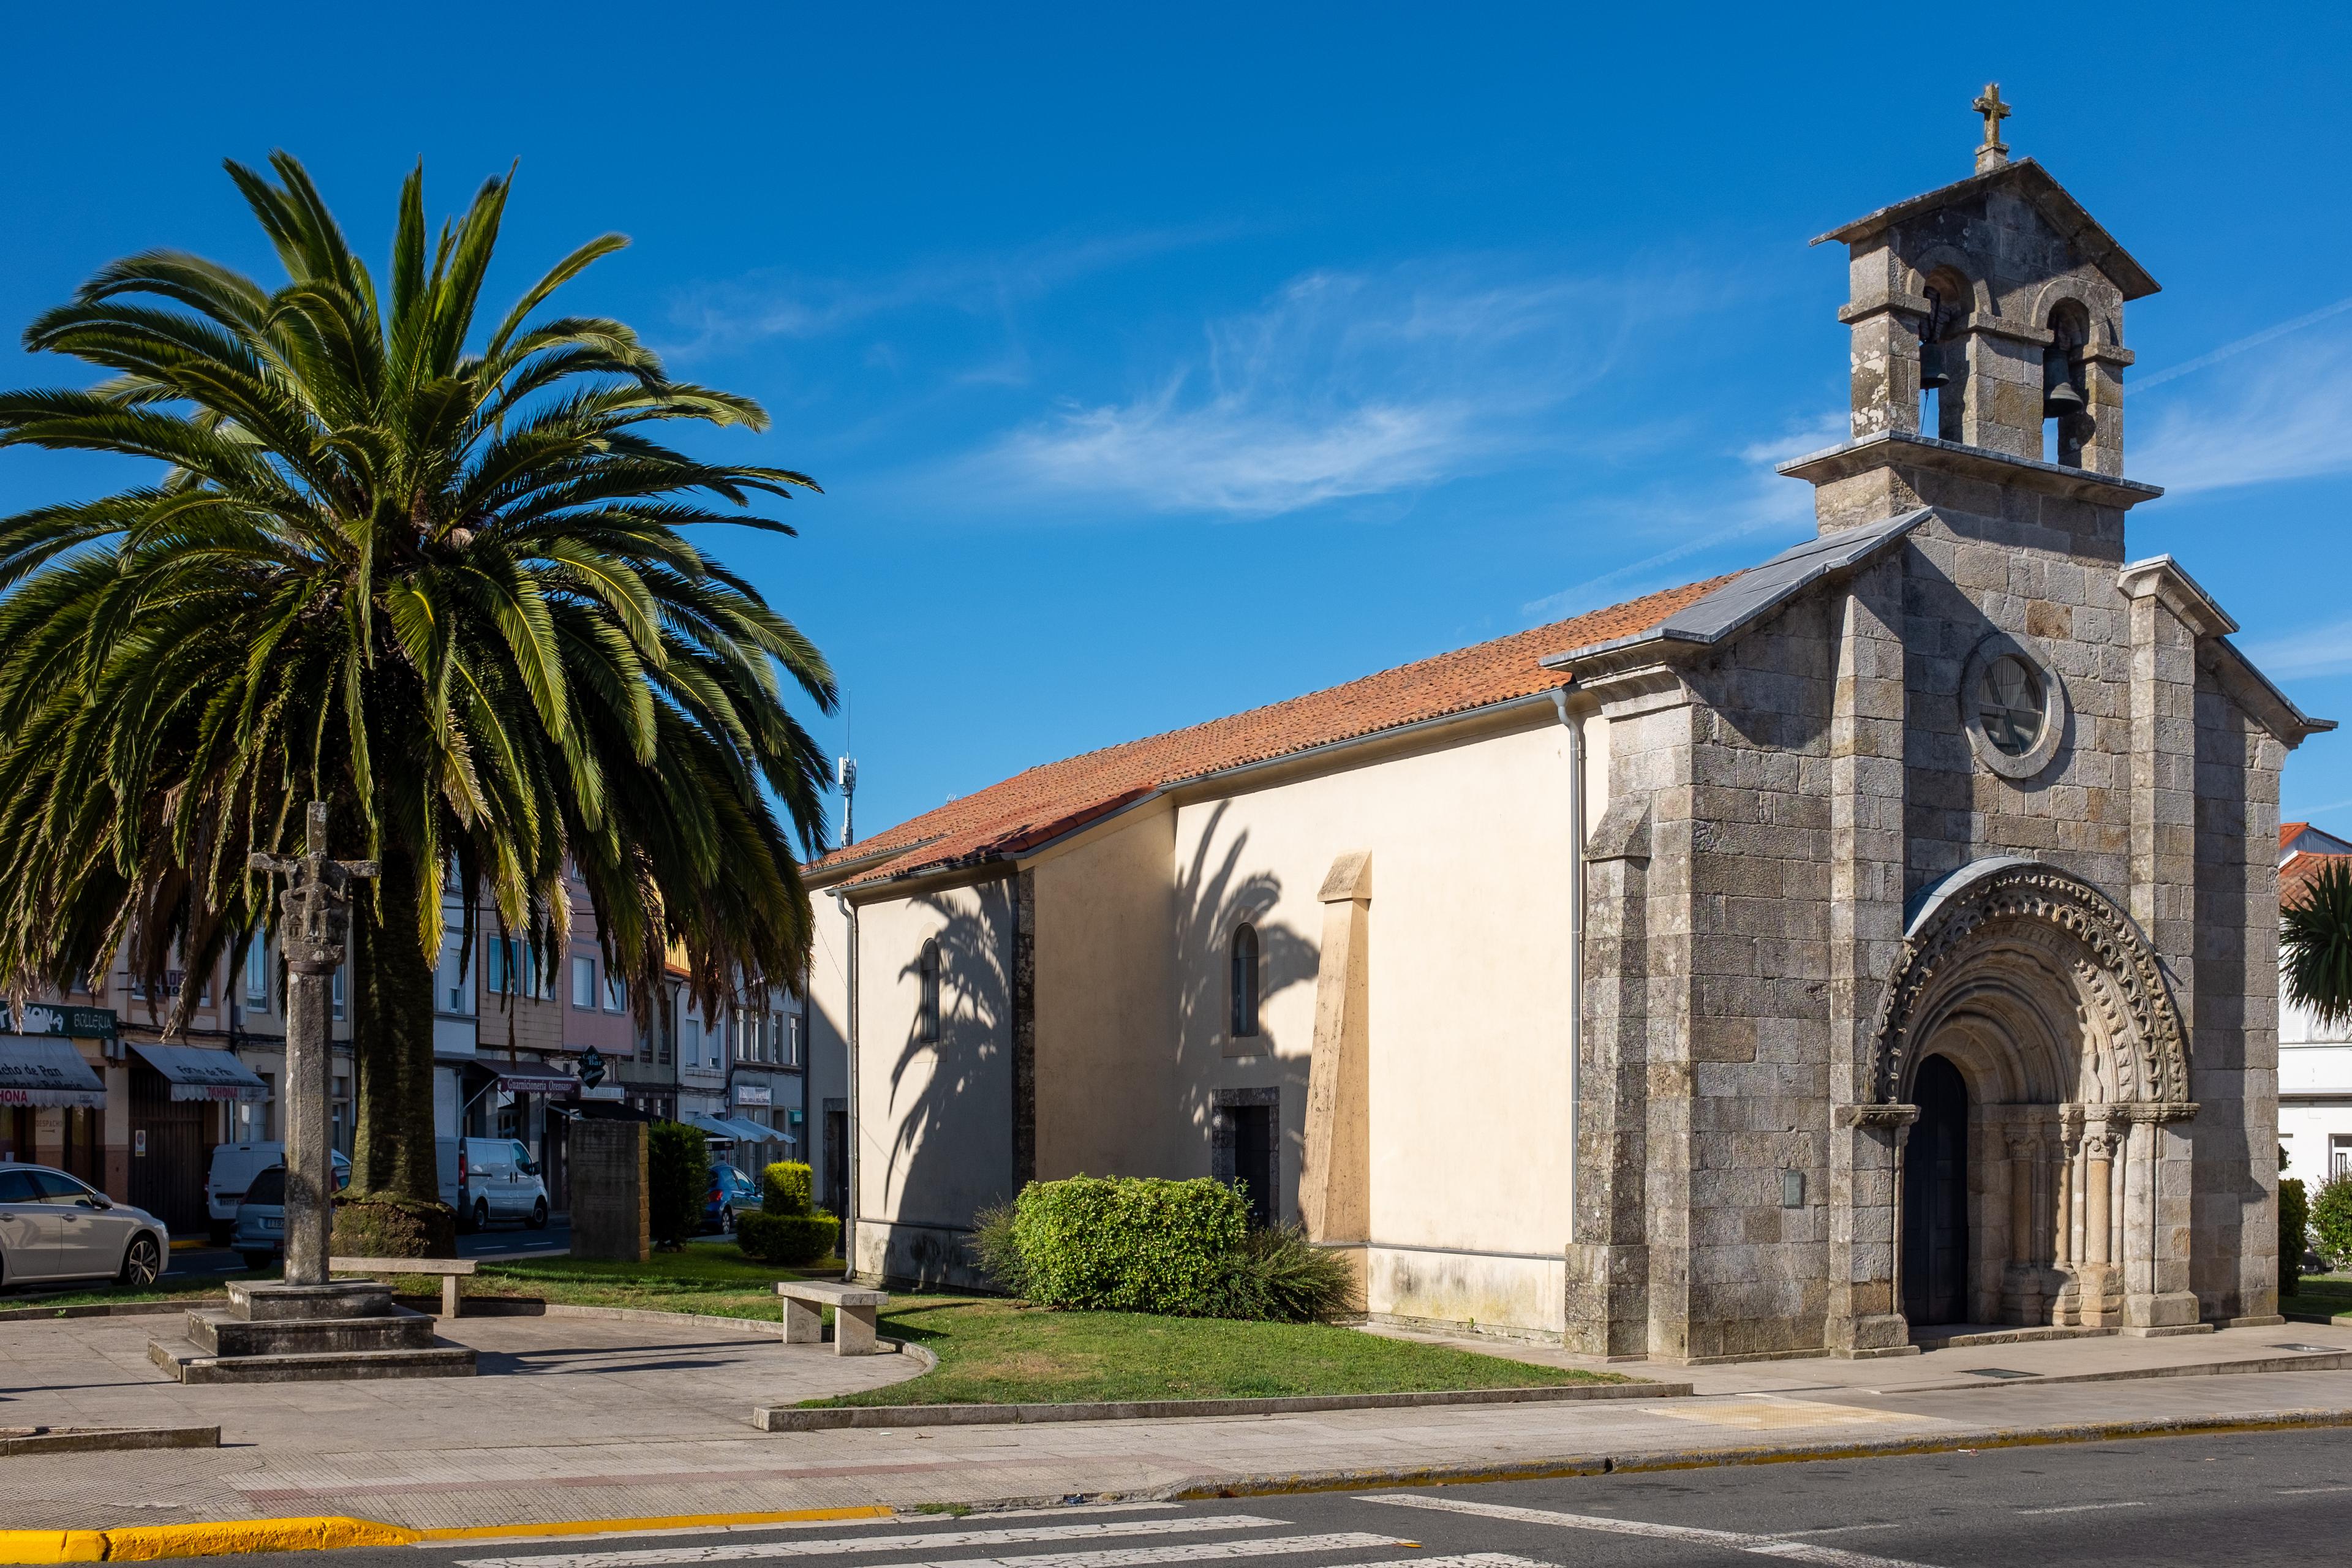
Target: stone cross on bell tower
x,y
1992,151
316,912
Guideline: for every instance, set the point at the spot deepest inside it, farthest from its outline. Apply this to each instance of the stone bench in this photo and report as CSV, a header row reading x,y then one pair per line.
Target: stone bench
x,y
854,1308
451,1270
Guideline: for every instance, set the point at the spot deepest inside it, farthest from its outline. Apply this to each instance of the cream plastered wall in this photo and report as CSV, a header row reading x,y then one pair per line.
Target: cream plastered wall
x,y
935,1119
1111,1087
1469,1026
828,1027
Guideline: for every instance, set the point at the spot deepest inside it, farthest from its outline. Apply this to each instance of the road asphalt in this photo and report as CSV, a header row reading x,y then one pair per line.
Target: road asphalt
x,y
2246,1499
499,1241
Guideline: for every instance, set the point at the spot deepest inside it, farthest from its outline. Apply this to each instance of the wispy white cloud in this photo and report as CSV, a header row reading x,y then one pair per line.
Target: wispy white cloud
x,y
1344,385
737,313
2286,415
2315,650
1757,502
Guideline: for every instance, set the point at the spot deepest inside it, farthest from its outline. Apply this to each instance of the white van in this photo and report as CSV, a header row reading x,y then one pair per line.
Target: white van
x,y
498,1180
233,1169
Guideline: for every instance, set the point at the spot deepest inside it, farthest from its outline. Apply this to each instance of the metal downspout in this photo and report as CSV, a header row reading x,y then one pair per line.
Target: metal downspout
x,y
849,1220
1575,933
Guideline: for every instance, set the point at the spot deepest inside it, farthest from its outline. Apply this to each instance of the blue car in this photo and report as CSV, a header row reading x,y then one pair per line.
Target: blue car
x,y
730,1192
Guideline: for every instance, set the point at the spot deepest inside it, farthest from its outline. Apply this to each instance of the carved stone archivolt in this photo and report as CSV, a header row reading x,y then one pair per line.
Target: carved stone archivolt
x,y
2030,928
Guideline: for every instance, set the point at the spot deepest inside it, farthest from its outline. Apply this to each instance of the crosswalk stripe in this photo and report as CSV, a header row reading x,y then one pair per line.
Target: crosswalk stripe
x,y
935,1541
1728,1539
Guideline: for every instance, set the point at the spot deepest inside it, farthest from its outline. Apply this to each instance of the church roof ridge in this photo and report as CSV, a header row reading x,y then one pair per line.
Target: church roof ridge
x,y
2066,215
1045,801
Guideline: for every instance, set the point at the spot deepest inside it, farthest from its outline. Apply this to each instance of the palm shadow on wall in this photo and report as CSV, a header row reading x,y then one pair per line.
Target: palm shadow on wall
x,y
952,1152
1215,895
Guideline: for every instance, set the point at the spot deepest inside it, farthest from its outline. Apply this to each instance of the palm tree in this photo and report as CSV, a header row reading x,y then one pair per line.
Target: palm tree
x,y
2315,943
447,589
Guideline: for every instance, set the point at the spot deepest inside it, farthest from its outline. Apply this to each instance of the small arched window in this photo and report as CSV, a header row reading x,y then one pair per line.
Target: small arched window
x,y
1244,980
927,1023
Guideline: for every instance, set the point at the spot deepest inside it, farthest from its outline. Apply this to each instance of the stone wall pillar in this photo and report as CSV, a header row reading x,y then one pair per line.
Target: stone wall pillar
x,y
1866,855
2156,1297
2103,398
1607,1306
612,1213
1335,1170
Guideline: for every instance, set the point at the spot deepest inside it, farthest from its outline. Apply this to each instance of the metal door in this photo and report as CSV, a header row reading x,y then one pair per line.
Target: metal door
x,y
168,1180
1935,1198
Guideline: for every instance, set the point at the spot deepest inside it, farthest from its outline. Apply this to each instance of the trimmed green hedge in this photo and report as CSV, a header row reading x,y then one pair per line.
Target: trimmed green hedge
x,y
2331,1220
790,1239
788,1187
2294,1212
677,1158
1129,1246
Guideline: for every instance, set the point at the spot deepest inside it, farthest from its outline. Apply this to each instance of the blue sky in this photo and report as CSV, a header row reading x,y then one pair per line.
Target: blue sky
x,y
1162,362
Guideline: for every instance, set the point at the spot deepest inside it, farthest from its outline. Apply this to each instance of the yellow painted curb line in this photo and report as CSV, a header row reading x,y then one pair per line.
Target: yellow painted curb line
x,y
236,1537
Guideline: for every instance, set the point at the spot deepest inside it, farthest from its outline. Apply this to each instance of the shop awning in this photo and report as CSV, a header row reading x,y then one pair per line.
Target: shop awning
x,y
46,1072
197,1072
737,1131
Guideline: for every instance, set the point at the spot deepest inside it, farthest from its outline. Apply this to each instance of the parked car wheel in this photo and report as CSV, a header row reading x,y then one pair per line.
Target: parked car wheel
x,y
538,1220
482,1214
142,1263
258,1261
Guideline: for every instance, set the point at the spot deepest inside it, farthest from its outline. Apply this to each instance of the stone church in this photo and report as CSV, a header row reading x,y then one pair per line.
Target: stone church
x,y
1879,940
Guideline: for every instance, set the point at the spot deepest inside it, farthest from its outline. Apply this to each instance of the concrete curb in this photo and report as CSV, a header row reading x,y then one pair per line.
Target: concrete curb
x,y
1759,1454
103,1439
835,1418
231,1537
109,1309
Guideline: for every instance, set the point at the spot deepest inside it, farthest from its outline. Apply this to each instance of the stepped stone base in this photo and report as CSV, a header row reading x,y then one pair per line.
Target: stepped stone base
x,y
287,1333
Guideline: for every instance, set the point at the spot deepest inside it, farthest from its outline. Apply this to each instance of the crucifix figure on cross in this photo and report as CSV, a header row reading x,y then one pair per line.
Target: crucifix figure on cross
x,y
315,921
1992,151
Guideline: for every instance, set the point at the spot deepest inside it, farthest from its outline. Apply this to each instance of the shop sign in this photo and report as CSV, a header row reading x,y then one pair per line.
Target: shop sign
x,y
44,1018
752,1094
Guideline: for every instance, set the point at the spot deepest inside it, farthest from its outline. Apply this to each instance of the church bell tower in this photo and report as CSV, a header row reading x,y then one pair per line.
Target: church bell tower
x,y
1988,349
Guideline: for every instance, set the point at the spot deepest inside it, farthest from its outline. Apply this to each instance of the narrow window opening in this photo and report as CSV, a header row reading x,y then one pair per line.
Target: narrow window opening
x,y
2066,416
927,1022
1244,982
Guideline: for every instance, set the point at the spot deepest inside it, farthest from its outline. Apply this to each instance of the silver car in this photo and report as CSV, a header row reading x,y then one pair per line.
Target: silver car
x,y
53,1226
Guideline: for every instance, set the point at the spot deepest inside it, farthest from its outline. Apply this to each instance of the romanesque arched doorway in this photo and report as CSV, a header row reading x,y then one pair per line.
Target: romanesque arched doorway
x,y
1936,1197
2028,1039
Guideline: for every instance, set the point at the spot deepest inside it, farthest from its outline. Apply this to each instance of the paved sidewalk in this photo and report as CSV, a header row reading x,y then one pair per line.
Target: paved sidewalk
x,y
1963,1366
577,1419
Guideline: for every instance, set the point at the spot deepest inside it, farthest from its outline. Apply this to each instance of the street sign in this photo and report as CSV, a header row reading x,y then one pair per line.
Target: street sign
x,y
139,1140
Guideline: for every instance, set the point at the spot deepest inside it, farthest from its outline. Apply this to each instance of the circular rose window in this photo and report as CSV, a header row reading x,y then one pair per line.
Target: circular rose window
x,y
2011,706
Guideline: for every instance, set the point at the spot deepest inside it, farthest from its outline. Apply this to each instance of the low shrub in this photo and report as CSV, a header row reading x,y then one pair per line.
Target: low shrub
x,y
995,1252
788,1187
678,1176
1279,1276
1125,1245
792,1240
2295,1213
2331,1220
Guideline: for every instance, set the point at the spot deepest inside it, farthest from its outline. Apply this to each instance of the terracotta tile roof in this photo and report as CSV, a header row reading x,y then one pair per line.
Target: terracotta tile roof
x,y
1046,802
2298,872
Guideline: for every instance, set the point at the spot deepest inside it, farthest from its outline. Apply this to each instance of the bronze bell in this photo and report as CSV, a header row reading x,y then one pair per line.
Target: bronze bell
x,y
1932,373
2059,396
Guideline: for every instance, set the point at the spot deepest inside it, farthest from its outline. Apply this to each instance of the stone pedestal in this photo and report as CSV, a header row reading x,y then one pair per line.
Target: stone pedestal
x,y
612,1216
289,1334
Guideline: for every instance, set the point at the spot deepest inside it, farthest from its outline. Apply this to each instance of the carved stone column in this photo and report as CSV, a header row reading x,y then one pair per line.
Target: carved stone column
x,y
2100,1298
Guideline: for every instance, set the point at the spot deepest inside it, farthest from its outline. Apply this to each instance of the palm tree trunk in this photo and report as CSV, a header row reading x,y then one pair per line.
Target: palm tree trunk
x,y
395,1207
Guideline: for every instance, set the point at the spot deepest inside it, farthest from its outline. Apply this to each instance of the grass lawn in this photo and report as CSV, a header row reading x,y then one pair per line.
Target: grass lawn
x,y
2320,1294
995,1351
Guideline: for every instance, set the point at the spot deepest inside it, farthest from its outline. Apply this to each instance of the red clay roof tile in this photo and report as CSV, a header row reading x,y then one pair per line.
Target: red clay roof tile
x,y
1044,802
